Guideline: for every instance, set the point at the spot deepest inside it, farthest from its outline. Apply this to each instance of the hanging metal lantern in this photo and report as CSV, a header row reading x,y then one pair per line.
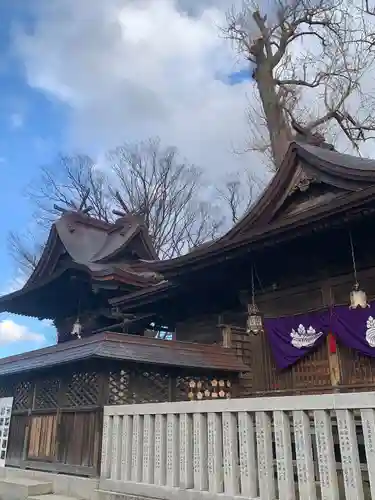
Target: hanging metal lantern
x,y
254,324
77,329
358,298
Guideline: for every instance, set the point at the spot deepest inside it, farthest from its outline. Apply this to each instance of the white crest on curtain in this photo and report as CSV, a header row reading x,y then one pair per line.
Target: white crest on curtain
x,y
303,337
370,332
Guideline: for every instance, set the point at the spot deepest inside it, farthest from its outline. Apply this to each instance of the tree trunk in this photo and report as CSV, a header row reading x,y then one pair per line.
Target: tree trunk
x,y
279,130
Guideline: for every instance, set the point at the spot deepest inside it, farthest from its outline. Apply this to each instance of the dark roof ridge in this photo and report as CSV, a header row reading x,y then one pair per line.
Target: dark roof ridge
x,y
338,164
85,219
64,346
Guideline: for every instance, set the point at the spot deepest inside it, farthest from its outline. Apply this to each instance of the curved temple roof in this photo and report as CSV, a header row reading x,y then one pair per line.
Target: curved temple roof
x,y
313,182
306,163
105,249
344,179
106,252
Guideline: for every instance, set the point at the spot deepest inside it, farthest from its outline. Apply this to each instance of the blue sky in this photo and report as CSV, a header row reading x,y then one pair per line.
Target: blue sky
x,y
31,129
56,91
238,77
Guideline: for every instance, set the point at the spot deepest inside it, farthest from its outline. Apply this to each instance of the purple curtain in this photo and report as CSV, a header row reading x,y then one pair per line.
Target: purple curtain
x,y
292,337
355,328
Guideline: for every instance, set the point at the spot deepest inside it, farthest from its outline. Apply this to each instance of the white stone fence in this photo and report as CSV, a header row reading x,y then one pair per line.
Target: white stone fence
x,y
287,448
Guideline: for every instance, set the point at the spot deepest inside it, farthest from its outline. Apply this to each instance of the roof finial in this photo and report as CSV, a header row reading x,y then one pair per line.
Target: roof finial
x,y
141,212
125,210
72,206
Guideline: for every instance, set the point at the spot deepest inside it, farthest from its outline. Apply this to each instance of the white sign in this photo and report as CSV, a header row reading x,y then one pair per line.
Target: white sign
x,y
5,414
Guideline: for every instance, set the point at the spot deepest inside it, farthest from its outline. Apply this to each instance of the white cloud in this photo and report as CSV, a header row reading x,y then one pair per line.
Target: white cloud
x,y
133,69
11,332
130,69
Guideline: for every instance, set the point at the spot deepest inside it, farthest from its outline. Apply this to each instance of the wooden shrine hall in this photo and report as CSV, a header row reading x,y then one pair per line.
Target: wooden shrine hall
x,y
305,248
281,304
102,357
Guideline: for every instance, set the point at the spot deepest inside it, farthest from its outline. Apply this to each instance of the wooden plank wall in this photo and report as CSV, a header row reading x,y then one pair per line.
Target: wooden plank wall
x,y
203,329
86,429
313,373
356,371
56,421
42,441
39,435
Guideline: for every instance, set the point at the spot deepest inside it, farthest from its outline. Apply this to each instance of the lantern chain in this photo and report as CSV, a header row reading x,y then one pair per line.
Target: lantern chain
x,y
252,285
353,257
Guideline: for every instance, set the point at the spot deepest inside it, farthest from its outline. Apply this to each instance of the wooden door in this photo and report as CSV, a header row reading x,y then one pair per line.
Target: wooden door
x,y
79,441
42,437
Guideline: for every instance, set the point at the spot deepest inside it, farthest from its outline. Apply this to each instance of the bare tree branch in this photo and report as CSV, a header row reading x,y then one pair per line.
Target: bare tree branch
x,y
239,193
25,252
152,180
144,178
308,59
73,182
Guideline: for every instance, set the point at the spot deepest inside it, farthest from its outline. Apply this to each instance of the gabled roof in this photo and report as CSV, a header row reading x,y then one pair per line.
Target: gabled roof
x,y
104,249
304,164
128,348
106,253
342,180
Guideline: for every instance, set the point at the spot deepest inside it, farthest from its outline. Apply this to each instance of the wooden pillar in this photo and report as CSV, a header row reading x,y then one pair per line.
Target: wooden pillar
x,y
333,357
227,336
236,338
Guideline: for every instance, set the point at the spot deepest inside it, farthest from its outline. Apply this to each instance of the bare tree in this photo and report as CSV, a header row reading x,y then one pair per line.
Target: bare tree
x,y
69,182
145,178
368,8
239,193
25,251
259,141
169,194
308,59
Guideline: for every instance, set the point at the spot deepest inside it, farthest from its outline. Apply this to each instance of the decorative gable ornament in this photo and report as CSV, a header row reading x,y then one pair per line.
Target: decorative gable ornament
x,y
303,183
303,338
358,298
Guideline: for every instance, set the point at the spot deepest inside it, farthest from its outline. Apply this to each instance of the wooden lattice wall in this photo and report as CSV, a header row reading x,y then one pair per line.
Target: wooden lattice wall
x,y
311,374
57,415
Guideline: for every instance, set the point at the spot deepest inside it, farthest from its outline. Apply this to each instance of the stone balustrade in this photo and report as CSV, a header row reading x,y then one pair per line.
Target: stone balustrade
x,y
307,447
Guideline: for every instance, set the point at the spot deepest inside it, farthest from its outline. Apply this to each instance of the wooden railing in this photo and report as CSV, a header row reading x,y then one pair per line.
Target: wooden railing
x,y
290,447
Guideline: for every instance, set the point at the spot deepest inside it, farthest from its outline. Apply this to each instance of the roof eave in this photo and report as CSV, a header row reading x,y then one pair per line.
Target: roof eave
x,y
351,179
144,295
320,212
43,262
108,346
34,287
